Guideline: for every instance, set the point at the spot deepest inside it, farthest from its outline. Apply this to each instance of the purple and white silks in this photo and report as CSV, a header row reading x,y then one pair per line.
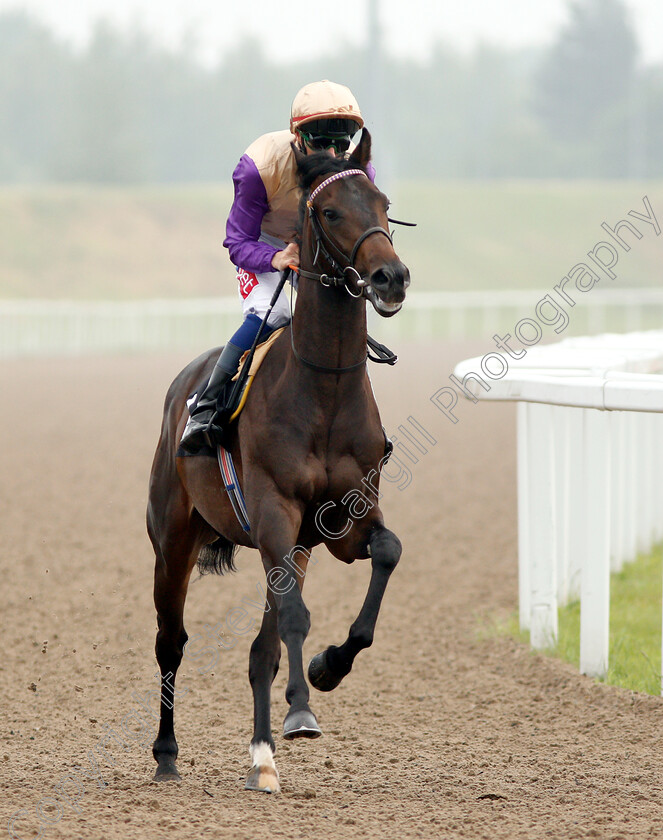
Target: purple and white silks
x,y
245,220
244,225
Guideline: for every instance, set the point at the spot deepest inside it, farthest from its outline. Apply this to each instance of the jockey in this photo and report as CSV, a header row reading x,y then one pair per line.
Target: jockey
x,y
262,225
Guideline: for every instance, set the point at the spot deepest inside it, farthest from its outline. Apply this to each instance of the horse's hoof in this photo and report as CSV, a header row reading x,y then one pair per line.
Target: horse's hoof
x,y
301,724
167,772
318,674
264,779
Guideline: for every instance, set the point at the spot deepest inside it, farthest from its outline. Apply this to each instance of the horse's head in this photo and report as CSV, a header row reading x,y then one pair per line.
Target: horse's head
x,y
348,231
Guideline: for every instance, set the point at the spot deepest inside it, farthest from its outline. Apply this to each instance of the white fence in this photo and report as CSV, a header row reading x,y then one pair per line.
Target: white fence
x,y
41,327
37,328
590,461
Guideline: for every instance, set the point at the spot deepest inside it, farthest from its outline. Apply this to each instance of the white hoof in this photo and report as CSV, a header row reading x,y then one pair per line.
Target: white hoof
x,y
263,775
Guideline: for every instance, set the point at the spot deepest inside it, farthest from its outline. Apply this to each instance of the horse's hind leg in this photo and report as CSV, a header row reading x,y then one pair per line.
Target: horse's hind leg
x,y
169,595
327,669
175,545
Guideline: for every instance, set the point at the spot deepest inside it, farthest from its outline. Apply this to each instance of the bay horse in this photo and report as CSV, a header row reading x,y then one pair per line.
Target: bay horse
x,y
307,449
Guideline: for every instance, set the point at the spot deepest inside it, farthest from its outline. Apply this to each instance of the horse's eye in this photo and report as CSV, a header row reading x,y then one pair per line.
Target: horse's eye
x,y
330,215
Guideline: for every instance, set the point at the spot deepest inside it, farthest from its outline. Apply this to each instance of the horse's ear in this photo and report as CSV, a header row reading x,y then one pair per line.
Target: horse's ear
x,y
299,156
362,154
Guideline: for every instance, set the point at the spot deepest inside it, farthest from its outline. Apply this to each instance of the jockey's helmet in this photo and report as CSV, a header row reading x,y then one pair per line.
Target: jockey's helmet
x,y
325,111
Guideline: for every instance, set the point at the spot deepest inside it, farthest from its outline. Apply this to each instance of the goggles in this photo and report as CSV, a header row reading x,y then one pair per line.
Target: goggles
x,y
319,142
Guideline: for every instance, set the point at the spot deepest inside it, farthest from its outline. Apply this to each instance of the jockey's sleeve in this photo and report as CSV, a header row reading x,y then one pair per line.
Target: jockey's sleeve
x,y
246,214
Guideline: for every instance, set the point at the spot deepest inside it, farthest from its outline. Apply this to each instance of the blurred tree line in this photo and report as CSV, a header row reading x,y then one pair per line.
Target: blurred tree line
x,y
127,110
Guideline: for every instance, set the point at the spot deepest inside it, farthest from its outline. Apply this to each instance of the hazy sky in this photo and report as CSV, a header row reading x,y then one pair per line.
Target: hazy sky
x,y
288,29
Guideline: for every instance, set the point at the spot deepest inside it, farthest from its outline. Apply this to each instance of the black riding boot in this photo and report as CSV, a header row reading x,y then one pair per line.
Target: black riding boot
x,y
201,429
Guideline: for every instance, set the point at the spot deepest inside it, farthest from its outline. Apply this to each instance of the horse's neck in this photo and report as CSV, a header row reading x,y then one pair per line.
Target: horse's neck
x,y
329,326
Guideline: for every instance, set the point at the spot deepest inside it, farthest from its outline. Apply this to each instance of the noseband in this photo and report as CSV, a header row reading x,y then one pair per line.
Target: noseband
x,y
323,241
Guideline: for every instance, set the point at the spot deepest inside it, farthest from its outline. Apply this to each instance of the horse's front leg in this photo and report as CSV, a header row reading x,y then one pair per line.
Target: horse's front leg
x,y
285,566
294,623
327,669
263,667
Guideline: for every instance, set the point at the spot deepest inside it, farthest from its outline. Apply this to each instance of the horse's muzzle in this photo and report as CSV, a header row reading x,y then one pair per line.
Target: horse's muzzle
x,y
389,283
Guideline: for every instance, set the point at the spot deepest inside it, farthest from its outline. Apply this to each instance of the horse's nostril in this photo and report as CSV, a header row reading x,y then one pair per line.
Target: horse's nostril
x,y
379,278
395,276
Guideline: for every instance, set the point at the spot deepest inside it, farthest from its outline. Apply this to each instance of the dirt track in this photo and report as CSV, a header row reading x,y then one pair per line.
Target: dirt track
x,y
442,730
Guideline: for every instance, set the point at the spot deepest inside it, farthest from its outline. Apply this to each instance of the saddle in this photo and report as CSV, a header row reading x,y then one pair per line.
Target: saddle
x,y
232,400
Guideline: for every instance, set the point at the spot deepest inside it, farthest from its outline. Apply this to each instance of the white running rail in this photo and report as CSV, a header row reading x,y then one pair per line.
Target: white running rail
x,y
75,328
67,327
590,461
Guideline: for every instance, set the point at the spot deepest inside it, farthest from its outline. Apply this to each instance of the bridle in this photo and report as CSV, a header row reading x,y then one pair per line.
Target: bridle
x,y
340,273
323,242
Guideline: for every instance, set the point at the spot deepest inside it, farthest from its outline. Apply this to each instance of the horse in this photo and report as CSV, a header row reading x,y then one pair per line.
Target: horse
x,y
307,448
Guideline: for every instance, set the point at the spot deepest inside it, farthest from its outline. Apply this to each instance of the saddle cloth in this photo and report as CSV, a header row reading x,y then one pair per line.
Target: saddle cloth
x,y
258,358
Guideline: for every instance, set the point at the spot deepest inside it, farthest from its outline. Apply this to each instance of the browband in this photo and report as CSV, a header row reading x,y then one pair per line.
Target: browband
x,y
331,179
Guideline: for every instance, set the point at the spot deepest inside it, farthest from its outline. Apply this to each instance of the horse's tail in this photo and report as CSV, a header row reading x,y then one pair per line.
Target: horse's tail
x,y
217,557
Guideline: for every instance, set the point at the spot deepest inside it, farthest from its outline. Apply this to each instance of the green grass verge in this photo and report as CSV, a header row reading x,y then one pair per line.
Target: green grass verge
x,y
635,626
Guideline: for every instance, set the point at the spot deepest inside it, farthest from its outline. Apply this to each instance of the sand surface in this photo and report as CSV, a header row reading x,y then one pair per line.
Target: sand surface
x,y
444,728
